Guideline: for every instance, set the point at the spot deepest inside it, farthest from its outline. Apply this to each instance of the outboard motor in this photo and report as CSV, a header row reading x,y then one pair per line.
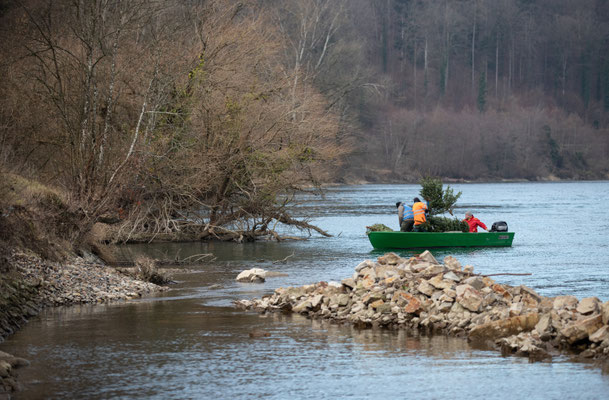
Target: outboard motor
x,y
499,226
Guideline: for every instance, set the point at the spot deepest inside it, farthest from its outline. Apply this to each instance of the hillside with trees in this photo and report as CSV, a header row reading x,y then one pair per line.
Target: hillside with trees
x,y
490,89
201,118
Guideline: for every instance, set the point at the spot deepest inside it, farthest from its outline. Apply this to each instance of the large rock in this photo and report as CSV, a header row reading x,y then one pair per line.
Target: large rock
x,y
530,292
385,271
469,297
451,276
581,329
302,306
368,272
439,283
516,309
340,300
377,303
600,335
316,300
544,324
367,282
252,275
371,297
413,306
566,302
452,263
5,369
390,259
605,312
433,269
505,327
475,281
588,305
427,256
348,282
501,291
425,288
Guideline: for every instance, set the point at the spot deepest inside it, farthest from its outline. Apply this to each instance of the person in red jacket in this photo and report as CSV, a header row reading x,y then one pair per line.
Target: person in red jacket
x,y
474,222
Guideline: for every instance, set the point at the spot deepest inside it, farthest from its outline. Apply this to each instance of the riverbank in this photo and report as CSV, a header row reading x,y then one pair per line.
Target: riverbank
x,y
422,294
32,284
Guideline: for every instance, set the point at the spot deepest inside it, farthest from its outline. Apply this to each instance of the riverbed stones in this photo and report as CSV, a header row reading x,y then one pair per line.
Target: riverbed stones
x,y
419,293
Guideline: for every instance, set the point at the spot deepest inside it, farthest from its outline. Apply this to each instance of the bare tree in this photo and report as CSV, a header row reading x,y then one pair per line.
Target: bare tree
x,y
102,71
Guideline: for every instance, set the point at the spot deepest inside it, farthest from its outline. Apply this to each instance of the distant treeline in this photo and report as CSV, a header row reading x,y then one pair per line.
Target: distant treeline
x,y
487,88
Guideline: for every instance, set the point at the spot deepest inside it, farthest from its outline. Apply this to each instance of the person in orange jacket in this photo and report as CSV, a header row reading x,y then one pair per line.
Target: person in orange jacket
x,y
474,222
420,210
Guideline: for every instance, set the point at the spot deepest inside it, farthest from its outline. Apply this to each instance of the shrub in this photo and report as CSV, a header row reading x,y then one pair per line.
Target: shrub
x,y
444,224
146,269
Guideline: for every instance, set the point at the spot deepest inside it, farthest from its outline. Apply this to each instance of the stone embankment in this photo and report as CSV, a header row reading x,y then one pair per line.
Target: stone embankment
x,y
422,294
33,284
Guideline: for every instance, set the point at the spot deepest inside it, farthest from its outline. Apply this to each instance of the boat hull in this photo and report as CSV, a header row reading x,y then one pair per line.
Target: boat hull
x,y
408,240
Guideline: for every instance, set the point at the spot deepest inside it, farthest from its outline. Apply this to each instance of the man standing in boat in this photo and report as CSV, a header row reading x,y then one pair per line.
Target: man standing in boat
x,y
405,216
419,210
474,222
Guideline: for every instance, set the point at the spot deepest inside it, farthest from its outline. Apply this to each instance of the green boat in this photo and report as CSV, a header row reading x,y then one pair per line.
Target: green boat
x,y
408,240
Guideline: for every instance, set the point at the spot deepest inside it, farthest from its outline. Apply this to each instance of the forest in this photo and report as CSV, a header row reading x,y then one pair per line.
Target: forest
x,y
188,119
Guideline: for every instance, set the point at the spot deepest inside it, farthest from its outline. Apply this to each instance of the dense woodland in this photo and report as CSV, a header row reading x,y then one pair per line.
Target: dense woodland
x,y
189,118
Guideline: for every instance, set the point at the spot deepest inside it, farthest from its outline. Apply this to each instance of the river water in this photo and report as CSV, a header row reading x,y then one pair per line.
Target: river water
x,y
190,343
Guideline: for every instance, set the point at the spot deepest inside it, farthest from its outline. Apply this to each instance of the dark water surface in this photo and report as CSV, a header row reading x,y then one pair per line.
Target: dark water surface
x,y
190,342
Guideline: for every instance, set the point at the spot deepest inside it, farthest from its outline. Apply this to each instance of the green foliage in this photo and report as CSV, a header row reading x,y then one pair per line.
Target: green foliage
x,y
440,200
444,224
198,72
378,228
555,156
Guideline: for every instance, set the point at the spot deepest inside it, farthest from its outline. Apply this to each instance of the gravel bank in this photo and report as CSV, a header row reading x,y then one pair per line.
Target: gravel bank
x,y
34,284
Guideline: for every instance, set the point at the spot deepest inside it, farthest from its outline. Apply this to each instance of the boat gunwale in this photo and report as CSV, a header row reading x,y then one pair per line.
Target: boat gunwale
x,y
458,237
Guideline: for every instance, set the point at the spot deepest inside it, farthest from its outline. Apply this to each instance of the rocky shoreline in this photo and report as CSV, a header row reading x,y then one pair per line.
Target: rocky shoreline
x,y
33,284
445,298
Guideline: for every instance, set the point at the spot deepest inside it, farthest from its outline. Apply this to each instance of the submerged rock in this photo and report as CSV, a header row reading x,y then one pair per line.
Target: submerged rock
x,y
252,275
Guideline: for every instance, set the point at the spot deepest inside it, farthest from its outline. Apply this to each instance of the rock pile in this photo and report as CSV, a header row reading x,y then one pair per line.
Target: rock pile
x,y
421,293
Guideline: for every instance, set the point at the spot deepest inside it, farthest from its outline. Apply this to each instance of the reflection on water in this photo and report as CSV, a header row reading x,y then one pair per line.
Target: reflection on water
x,y
191,343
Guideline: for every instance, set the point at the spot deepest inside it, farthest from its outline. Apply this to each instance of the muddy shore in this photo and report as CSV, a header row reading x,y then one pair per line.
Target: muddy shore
x,y
34,284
